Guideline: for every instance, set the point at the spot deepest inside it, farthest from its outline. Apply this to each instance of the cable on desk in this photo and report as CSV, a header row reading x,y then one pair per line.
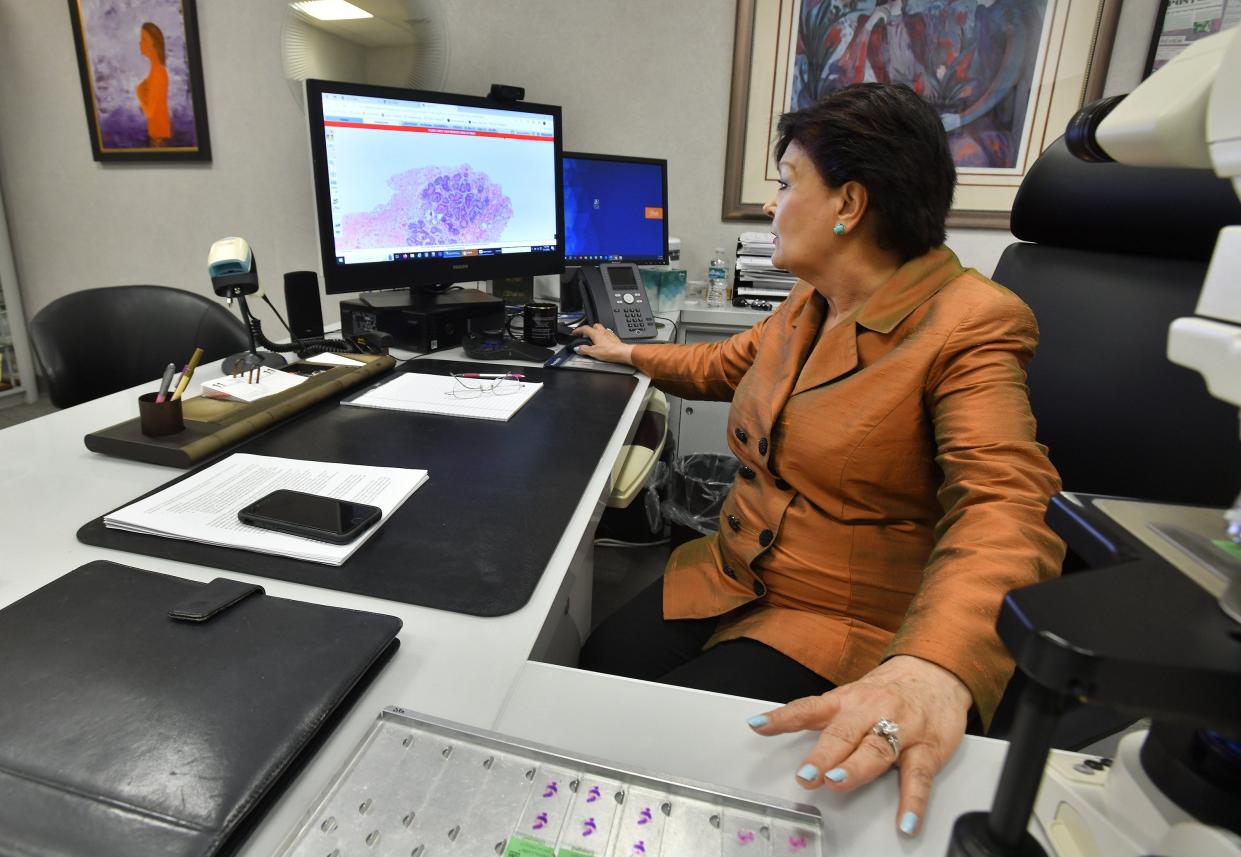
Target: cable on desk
x,y
660,318
508,325
304,348
617,543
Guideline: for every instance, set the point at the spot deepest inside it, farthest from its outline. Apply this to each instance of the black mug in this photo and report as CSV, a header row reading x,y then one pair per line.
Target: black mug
x,y
539,324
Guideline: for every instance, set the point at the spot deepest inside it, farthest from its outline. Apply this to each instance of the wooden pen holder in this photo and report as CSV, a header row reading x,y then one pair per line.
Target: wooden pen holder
x,y
159,418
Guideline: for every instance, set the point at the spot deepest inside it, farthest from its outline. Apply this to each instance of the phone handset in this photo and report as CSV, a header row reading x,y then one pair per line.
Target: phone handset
x,y
612,295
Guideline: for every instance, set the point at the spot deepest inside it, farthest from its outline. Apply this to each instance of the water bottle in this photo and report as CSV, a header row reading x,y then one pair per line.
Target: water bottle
x,y
717,279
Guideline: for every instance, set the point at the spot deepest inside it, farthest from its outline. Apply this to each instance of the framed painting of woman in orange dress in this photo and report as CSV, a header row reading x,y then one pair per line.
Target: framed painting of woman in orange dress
x,y
141,79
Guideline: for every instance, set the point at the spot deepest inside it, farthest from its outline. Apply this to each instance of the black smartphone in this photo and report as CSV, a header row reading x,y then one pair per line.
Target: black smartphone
x,y
310,515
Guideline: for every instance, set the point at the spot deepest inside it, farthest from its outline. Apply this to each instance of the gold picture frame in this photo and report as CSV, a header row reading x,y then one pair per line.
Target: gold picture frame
x,y
1073,51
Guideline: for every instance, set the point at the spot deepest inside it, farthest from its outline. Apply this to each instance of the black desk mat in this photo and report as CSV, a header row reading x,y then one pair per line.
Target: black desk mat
x,y
477,535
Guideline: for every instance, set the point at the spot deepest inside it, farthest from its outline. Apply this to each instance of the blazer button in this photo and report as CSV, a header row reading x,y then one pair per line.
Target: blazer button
x,y
759,589
782,485
762,446
728,571
746,472
734,523
741,435
765,537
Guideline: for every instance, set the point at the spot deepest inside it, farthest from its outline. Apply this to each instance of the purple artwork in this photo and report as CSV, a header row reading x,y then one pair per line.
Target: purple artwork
x,y
141,77
432,206
973,60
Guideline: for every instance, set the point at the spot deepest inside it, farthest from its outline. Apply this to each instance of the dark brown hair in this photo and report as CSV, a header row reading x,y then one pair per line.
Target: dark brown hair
x,y
157,39
892,142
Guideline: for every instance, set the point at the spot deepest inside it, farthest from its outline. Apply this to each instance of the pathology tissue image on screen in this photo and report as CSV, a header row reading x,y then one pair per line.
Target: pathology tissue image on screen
x,y
413,179
613,210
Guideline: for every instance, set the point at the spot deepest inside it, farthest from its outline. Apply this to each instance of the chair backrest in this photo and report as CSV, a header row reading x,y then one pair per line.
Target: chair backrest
x,y
97,341
1119,253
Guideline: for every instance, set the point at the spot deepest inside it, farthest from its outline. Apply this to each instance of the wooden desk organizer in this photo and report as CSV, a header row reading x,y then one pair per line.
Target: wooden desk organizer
x,y
213,425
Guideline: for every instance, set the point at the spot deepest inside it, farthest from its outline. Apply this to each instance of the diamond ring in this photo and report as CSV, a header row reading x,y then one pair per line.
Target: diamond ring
x,y
886,729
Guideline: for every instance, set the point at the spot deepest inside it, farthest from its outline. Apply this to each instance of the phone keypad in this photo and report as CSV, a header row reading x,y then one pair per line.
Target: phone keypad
x,y
633,319
628,311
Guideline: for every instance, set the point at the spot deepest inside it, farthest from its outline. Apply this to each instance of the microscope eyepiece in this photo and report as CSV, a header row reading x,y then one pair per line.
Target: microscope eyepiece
x,y
1079,136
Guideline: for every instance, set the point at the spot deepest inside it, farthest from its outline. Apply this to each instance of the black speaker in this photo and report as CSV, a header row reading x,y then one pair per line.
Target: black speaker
x,y
301,299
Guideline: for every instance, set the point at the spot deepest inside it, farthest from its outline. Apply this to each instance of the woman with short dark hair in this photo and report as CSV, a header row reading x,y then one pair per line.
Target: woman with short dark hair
x,y
891,489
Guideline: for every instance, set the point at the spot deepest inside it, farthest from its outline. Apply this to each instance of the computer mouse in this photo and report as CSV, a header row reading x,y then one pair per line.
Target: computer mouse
x,y
575,342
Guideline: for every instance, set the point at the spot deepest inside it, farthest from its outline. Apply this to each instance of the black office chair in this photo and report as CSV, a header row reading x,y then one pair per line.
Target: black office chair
x,y
1117,253
97,341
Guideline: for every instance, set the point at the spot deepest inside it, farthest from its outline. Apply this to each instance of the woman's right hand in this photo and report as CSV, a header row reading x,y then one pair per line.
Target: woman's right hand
x,y
604,344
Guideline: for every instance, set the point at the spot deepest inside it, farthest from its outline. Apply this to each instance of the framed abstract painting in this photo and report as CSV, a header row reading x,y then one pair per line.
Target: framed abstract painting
x,y
1005,75
142,79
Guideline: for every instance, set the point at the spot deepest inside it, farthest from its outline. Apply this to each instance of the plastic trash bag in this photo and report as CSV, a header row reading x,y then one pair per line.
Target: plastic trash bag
x,y
695,490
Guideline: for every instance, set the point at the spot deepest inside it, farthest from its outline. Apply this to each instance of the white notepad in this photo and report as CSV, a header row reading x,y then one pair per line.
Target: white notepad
x,y
239,389
203,507
442,394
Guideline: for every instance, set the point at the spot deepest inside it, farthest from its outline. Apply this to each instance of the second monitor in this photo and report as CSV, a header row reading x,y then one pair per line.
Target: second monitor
x,y
616,217
615,209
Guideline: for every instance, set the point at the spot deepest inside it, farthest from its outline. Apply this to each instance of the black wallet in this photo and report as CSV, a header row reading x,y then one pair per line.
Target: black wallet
x,y
146,714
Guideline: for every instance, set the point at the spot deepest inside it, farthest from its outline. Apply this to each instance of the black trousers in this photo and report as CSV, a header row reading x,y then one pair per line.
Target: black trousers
x,y
638,642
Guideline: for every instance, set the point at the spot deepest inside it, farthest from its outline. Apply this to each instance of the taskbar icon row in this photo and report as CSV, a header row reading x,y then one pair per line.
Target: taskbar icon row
x,y
480,251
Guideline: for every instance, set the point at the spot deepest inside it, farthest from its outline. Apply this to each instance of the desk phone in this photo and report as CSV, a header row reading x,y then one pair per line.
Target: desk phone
x,y
612,295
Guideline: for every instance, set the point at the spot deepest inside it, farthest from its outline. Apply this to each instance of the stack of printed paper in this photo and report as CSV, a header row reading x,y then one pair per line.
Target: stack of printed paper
x,y
203,507
757,275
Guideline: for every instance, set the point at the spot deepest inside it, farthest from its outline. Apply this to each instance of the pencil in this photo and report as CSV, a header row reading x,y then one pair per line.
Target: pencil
x,y
188,373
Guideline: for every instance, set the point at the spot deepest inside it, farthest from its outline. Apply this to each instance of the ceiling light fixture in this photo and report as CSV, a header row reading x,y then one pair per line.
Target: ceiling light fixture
x,y
331,10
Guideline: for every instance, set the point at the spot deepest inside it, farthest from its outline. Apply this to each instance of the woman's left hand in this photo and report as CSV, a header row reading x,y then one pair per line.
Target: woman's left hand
x,y
927,702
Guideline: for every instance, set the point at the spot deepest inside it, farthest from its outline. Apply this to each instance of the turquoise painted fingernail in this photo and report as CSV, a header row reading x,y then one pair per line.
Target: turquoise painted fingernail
x,y
837,775
809,773
909,821
758,721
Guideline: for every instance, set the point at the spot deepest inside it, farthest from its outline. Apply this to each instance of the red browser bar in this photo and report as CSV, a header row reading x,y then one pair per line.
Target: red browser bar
x,y
449,131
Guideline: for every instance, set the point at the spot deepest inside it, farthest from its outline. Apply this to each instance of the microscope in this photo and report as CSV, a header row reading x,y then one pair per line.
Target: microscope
x,y
1169,647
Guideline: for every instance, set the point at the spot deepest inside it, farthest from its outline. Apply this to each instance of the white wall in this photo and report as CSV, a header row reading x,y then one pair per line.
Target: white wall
x,y
638,77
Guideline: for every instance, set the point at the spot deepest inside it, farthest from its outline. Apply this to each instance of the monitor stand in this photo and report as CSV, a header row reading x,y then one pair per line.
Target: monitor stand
x,y
414,297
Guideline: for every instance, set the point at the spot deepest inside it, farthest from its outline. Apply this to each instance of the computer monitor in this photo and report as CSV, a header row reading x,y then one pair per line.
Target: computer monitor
x,y
615,209
422,189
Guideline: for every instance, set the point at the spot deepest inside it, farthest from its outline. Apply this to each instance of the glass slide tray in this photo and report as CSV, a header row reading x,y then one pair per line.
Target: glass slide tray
x,y
418,786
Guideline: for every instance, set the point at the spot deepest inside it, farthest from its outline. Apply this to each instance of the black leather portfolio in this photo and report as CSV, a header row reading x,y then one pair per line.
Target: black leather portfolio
x,y
142,714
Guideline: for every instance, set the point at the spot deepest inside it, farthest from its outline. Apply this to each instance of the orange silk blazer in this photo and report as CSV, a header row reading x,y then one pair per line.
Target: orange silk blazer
x,y
891,490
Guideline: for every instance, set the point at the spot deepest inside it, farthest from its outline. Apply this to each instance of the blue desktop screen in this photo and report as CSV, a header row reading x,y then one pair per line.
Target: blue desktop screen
x,y
615,210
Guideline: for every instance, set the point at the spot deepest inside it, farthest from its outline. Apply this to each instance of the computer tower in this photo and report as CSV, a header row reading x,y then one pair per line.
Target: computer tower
x,y
424,322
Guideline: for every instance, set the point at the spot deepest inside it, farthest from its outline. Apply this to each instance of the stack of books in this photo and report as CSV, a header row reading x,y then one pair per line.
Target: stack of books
x,y
757,278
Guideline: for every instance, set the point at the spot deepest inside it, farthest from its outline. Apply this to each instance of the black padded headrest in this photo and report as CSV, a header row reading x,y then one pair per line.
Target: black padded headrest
x,y
1146,211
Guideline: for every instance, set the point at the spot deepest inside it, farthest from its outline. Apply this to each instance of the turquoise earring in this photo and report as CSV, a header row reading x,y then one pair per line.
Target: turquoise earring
x,y
839,229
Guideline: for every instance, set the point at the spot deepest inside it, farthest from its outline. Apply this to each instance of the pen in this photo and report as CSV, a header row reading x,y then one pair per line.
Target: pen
x,y
510,376
188,373
165,384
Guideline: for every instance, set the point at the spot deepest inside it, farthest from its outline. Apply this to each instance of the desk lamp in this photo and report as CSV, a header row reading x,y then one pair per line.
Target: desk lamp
x,y
1168,648
234,274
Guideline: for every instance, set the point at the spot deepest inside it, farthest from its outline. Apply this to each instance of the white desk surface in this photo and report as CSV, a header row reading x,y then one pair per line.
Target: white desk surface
x,y
468,669
702,736
450,665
